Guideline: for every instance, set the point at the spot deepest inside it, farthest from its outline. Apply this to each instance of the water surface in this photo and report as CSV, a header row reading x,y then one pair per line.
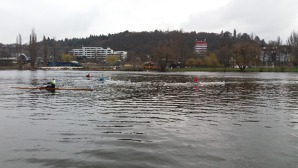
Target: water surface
x,y
149,119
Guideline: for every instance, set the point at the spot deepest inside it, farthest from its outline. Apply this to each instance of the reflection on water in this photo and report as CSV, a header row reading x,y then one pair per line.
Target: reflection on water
x,y
149,119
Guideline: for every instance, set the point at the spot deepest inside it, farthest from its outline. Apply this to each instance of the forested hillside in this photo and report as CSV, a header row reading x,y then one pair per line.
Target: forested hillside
x,y
159,46
141,44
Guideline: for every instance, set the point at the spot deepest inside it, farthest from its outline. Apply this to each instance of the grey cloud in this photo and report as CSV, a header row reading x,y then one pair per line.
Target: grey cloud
x,y
267,18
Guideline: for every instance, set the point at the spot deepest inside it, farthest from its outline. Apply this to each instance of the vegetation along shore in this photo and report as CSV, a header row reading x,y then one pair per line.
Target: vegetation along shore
x,y
158,51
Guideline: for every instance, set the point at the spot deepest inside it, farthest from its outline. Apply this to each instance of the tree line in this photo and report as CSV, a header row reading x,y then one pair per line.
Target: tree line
x,y
168,47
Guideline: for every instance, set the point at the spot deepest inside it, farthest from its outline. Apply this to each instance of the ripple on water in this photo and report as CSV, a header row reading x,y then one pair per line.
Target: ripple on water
x,y
139,119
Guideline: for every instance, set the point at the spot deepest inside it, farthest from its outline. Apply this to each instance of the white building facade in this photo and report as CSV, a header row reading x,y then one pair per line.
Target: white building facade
x,y
200,48
97,52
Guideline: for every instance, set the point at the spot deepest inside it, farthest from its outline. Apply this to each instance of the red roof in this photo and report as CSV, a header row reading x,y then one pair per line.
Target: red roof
x,y
201,42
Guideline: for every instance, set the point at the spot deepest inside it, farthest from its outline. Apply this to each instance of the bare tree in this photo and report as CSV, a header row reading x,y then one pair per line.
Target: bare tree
x,y
271,52
131,58
226,41
245,52
54,51
293,43
19,44
180,49
225,56
33,48
278,48
164,54
19,50
4,52
45,51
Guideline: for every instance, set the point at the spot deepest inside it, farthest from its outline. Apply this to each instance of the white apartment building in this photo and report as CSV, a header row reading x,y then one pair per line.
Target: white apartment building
x,y
123,54
97,52
201,48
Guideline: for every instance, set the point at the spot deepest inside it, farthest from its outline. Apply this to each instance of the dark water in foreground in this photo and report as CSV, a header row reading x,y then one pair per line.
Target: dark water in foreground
x,y
149,120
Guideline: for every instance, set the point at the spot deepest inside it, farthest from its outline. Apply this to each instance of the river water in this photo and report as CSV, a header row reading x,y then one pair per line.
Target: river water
x,y
149,120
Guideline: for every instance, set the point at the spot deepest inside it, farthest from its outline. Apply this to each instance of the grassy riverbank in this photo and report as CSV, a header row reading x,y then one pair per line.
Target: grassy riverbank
x,y
12,67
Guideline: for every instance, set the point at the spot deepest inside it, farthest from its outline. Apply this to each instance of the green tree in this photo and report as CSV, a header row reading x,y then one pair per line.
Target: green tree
x,y
211,60
113,60
194,62
67,58
191,62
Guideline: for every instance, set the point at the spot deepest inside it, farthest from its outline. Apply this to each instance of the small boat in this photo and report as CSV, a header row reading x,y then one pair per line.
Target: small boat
x,y
88,75
102,79
53,89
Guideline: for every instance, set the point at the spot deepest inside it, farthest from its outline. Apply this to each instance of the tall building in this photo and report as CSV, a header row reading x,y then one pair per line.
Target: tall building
x,y
201,48
97,52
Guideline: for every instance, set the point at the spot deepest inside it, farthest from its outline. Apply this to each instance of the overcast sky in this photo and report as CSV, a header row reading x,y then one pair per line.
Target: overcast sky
x,y
62,19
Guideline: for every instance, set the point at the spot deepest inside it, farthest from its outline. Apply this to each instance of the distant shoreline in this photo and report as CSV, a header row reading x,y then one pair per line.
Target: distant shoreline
x,y
200,69
221,69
